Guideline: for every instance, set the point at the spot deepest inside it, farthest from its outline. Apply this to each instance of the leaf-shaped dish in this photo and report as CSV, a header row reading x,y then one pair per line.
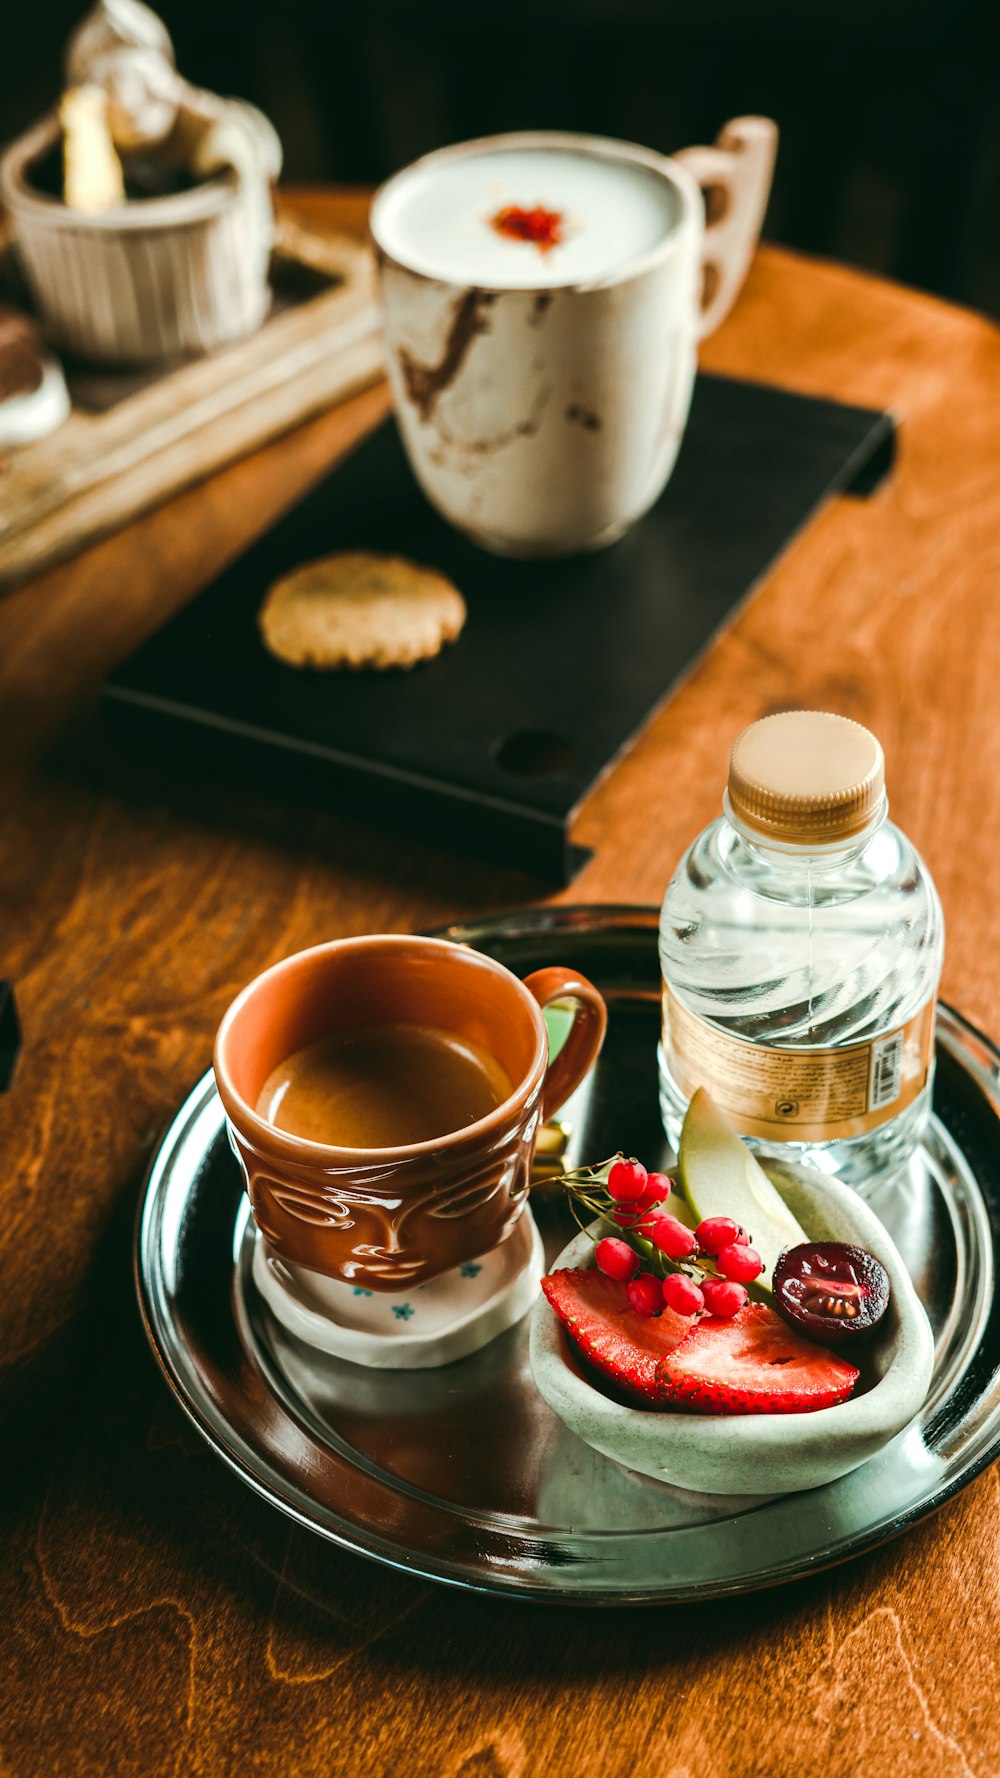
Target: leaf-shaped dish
x,y
756,1453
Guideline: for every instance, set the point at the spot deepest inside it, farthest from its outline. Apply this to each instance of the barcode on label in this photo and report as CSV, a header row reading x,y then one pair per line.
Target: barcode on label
x,y
887,1057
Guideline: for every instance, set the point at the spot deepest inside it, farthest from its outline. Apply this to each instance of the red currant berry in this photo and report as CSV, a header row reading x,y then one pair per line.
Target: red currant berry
x,y
637,1221
740,1263
672,1238
723,1299
647,1222
655,1191
645,1294
717,1232
616,1259
627,1181
682,1294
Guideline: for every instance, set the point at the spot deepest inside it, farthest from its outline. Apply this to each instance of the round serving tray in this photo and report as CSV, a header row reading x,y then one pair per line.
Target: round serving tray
x,y
463,1474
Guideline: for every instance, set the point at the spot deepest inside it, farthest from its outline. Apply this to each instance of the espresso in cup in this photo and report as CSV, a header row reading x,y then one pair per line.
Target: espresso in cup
x,y
543,298
384,1096
383,1088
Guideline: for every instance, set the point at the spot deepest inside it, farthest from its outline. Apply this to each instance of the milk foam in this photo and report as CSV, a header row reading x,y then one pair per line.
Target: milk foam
x,y
437,219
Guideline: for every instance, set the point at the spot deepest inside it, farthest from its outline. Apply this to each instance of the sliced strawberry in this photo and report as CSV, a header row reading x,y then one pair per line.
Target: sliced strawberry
x,y
626,1347
753,1364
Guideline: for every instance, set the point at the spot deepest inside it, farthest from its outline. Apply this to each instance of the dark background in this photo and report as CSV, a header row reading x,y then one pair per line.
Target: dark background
x,y
889,111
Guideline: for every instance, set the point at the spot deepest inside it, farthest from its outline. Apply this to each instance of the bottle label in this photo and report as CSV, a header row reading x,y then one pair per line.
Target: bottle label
x,y
797,1095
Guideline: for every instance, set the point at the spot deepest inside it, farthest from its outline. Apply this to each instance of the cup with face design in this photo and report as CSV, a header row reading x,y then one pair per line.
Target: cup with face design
x,y
386,1217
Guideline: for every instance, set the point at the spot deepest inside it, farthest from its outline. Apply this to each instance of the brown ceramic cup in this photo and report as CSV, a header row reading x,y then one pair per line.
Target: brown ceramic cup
x,y
387,1219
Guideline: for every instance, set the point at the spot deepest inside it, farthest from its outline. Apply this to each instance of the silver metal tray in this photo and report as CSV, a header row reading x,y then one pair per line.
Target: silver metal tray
x,y
462,1474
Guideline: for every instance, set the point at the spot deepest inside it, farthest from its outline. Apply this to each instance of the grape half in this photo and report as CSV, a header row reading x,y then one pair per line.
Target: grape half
x,y
834,1293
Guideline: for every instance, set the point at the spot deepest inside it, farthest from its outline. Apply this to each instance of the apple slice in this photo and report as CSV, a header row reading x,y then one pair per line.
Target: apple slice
x,y
720,1177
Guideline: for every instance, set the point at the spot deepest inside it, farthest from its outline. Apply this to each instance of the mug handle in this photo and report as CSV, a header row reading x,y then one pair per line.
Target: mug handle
x,y
586,1034
735,179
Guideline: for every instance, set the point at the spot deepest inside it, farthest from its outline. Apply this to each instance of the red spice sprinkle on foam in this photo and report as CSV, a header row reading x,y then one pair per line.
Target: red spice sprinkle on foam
x,y
540,226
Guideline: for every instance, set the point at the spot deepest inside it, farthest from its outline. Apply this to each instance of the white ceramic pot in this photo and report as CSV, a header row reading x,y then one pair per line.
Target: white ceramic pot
x,y
756,1454
544,419
146,281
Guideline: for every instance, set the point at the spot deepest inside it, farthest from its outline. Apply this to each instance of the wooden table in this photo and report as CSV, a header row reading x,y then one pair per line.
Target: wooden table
x,y
156,1617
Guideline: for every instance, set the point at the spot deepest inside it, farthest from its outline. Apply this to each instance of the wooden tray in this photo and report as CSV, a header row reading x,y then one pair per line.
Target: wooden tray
x,y
134,439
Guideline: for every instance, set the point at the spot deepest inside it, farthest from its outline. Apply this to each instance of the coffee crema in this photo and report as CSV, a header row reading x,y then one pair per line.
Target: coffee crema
x,y
383,1087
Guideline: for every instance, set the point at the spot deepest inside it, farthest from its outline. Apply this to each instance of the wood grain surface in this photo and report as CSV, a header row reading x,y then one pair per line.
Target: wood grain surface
x,y
156,1617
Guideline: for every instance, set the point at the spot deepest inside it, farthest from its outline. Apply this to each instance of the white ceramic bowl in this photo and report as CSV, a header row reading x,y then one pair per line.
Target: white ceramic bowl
x,y
755,1453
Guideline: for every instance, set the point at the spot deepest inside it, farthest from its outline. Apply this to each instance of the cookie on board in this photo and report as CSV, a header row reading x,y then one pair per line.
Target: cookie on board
x,y
359,609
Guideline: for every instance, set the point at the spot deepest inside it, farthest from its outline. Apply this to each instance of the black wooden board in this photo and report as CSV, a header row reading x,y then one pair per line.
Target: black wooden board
x,y
491,746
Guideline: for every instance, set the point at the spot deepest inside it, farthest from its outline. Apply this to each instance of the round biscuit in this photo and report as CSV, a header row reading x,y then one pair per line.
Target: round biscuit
x,y
360,609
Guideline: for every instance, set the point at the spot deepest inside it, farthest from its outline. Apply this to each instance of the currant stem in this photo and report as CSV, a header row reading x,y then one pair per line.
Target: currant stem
x,y
585,1189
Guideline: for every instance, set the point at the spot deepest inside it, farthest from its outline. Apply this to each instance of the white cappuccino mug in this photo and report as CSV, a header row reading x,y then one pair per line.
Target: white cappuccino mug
x,y
543,297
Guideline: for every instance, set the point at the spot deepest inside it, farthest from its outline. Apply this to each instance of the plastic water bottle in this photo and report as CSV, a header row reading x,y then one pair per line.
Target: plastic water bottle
x,y
801,942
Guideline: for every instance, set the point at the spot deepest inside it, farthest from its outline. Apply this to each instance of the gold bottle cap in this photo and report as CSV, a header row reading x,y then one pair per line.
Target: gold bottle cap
x,y
806,777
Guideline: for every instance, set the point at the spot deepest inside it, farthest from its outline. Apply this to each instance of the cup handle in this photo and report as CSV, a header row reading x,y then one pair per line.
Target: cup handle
x,y
735,179
586,1034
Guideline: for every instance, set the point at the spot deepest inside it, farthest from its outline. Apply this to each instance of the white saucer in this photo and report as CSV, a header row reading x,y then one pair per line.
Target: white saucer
x,y
431,1324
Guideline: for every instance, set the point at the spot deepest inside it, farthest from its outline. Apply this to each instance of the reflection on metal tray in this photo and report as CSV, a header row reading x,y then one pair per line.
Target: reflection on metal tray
x,y
463,1474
